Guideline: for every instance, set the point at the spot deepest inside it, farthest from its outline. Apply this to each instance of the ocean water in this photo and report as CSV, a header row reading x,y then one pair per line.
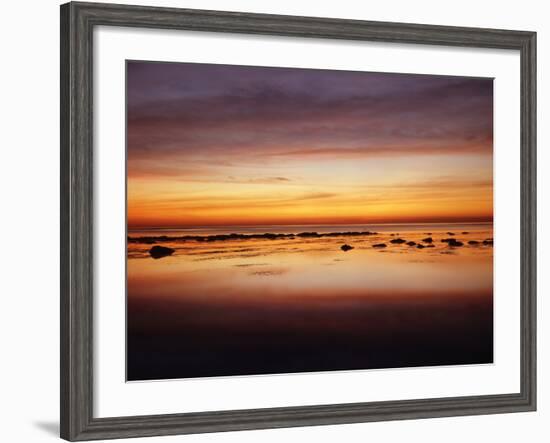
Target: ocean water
x,y
262,306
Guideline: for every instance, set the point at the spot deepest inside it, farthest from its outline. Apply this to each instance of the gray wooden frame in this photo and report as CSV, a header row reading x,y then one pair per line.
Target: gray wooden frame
x,y
77,23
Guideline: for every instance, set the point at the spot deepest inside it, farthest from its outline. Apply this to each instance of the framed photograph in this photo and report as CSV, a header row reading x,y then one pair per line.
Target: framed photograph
x,y
272,221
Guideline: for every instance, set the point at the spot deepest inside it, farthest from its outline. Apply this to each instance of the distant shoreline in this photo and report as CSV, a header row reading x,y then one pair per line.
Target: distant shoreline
x,y
235,236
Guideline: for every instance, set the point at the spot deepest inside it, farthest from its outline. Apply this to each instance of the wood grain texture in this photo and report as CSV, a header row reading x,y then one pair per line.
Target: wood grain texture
x,y
77,23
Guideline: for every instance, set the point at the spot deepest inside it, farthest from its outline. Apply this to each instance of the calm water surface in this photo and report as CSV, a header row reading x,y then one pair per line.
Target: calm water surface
x,y
257,306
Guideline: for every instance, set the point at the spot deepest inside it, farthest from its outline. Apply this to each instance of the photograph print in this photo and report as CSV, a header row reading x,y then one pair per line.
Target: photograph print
x,y
286,220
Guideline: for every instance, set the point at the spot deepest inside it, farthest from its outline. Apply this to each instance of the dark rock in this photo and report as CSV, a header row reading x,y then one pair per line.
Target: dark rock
x,y
344,234
473,242
452,242
428,233
488,242
308,234
379,245
428,240
455,243
346,247
420,246
465,232
411,243
398,241
431,245
161,251
450,233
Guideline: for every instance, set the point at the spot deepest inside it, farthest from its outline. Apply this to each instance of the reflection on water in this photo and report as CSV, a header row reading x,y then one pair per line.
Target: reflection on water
x,y
256,306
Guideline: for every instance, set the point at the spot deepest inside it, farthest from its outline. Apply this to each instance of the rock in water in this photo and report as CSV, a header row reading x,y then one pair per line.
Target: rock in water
x,y
473,242
398,241
308,234
379,245
455,243
346,247
161,251
411,243
420,246
428,240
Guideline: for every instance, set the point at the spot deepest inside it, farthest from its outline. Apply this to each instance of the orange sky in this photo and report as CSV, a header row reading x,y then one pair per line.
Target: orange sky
x,y
225,145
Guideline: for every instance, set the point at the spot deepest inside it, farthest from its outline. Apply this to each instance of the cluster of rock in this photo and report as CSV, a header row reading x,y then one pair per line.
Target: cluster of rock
x,y
162,251
452,242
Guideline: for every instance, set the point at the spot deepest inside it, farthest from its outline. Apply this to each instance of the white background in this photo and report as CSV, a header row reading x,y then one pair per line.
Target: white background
x,y
29,186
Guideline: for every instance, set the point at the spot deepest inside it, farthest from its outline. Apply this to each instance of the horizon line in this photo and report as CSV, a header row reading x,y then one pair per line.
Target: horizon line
x,y
465,222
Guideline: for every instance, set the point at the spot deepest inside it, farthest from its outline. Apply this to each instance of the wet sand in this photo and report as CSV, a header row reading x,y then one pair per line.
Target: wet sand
x,y
300,304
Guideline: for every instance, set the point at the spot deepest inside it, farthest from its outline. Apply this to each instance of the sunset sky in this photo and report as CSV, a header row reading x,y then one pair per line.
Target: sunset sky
x,y
235,145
